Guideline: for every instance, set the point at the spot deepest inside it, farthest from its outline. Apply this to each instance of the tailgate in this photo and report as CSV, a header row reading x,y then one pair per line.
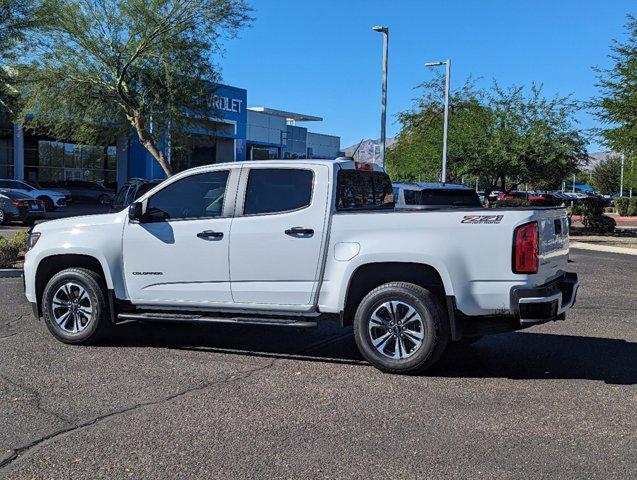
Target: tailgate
x,y
553,237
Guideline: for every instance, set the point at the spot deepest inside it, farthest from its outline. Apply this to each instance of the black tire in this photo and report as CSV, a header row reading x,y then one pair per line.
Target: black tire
x,y
49,206
435,325
99,324
104,200
3,217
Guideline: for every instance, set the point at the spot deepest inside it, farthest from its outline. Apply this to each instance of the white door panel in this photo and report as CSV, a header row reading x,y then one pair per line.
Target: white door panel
x,y
178,253
270,266
166,262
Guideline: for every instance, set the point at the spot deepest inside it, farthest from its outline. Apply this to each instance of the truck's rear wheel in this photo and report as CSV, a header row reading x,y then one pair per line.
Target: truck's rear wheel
x,y
74,306
401,328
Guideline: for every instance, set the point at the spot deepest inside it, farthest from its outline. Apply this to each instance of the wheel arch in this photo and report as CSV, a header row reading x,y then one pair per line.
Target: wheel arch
x,y
50,265
368,276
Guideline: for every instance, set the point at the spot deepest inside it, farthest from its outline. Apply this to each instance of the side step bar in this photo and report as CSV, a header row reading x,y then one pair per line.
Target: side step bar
x,y
194,318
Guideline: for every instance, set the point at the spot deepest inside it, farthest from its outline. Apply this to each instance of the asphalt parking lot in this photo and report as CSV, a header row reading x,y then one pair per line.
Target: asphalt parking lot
x,y
161,401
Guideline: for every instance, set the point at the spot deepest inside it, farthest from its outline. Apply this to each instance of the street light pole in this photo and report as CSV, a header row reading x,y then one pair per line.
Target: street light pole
x,y
383,115
447,63
621,179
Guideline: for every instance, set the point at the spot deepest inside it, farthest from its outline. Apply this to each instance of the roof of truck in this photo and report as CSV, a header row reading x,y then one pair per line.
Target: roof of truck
x,y
341,162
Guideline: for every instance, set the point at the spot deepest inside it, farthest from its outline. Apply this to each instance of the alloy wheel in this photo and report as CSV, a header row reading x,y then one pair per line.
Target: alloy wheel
x,y
71,307
396,329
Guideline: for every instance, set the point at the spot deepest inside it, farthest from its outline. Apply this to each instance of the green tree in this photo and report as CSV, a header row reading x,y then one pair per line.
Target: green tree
x,y
417,153
15,17
505,137
101,67
535,139
616,107
606,175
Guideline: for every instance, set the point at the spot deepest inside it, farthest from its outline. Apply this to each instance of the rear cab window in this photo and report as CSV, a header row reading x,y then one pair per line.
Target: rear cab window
x,y
363,190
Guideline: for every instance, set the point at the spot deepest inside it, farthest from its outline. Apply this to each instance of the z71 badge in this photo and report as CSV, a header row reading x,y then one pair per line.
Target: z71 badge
x,y
482,219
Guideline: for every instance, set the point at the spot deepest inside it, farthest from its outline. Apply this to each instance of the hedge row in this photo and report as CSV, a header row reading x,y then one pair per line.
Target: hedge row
x,y
626,206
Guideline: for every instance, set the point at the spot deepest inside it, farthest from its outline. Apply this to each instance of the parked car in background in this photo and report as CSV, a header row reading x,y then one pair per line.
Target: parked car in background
x,y
50,198
19,207
132,190
89,191
52,185
515,195
427,196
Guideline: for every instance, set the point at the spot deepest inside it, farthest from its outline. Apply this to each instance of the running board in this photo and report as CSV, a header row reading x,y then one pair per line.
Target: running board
x,y
176,317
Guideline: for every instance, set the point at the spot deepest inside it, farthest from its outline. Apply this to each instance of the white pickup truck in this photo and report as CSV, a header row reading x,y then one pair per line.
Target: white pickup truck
x,y
290,243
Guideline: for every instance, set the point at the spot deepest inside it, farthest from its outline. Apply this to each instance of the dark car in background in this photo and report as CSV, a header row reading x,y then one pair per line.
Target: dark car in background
x,y
132,190
19,207
428,196
85,191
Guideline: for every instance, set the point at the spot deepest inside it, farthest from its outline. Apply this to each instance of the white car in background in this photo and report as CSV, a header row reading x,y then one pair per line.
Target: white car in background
x,y
50,198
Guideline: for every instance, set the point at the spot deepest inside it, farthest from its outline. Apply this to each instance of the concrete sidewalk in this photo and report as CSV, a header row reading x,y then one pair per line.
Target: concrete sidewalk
x,y
603,248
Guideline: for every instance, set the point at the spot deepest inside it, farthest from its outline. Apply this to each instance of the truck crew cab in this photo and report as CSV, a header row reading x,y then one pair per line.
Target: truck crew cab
x,y
291,243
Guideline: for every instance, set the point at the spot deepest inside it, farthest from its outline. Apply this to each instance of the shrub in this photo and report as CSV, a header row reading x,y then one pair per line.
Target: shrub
x,y
594,218
632,207
9,252
621,203
601,224
21,241
12,249
512,203
577,209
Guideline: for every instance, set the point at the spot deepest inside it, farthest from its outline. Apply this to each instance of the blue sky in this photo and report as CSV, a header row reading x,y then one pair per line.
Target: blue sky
x,y
320,57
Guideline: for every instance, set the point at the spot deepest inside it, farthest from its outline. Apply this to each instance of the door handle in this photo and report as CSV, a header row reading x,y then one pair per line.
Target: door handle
x,y
299,231
210,234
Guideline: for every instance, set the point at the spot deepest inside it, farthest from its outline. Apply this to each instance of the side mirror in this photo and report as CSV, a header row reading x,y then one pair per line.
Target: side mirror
x,y
135,212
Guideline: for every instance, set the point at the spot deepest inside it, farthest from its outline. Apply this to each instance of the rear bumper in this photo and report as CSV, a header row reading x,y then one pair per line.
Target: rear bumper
x,y
529,306
546,302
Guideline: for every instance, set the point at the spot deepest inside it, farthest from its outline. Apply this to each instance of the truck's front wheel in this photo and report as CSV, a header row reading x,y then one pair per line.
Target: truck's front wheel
x,y
401,328
74,306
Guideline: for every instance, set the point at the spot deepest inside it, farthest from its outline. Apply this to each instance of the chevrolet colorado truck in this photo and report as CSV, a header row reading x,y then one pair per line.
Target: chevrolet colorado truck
x,y
292,243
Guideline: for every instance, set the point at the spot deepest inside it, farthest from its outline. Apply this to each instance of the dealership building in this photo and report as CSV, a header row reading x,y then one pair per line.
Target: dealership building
x,y
238,133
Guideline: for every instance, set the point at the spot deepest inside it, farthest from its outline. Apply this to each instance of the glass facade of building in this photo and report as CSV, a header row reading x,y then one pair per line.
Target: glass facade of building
x,y
6,151
52,160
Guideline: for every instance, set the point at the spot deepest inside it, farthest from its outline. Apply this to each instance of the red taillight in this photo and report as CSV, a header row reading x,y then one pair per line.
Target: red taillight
x,y
19,204
525,248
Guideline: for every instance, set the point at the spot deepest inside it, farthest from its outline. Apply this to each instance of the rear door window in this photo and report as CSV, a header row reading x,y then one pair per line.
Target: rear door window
x,y
277,190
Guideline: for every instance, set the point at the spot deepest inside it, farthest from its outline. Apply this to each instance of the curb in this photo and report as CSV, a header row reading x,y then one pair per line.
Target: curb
x,y
10,272
603,248
617,219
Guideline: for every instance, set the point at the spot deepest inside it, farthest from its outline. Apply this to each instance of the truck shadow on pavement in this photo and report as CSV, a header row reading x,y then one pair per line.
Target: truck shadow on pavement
x,y
517,356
